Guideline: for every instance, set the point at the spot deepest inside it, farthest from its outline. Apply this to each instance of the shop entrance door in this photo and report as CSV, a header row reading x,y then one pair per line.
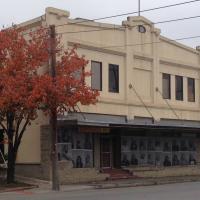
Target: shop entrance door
x,y
106,152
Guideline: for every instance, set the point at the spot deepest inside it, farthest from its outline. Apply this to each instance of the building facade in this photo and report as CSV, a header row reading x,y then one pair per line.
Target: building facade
x,y
148,113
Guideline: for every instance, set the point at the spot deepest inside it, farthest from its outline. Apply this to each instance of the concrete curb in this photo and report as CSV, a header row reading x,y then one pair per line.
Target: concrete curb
x,y
76,188
18,189
148,183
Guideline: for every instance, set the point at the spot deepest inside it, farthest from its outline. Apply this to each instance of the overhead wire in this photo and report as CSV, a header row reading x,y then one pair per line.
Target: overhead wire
x,y
123,14
130,13
122,28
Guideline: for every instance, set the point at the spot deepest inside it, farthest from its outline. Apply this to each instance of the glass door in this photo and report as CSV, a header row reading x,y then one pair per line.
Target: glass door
x,y
106,152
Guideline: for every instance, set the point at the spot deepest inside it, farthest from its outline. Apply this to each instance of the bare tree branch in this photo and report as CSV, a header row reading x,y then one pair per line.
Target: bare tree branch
x,y
17,128
3,126
21,133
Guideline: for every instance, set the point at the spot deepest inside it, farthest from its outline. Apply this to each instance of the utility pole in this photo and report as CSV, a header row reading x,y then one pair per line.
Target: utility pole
x,y
138,7
53,117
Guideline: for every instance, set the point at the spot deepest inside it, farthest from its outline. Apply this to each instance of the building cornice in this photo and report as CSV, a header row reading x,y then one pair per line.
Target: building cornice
x,y
150,105
94,47
143,56
178,63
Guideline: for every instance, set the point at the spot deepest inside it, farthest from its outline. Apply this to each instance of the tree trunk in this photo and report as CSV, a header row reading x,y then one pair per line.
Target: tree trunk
x,y
11,150
11,164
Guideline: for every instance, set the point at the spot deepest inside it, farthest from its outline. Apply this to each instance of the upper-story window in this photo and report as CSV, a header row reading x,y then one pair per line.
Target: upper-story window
x,y
191,89
96,79
166,86
179,88
78,74
113,78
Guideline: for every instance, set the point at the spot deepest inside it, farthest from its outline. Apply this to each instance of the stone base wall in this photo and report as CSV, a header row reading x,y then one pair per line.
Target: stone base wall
x,y
29,170
154,172
68,175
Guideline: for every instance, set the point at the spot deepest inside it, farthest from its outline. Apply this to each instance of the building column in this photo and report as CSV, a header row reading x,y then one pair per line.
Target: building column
x,y
97,151
156,80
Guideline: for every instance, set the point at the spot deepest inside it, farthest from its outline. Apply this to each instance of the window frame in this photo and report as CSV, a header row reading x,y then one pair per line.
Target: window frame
x,y
93,61
193,89
177,91
109,83
169,86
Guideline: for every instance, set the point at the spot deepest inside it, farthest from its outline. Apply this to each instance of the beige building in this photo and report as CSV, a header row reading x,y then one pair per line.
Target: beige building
x,y
148,114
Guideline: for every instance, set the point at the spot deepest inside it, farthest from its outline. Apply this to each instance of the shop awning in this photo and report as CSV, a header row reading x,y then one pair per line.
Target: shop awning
x,y
113,121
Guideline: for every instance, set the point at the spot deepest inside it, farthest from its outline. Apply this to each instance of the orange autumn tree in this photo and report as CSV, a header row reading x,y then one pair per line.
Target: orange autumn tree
x,y
20,57
23,90
68,88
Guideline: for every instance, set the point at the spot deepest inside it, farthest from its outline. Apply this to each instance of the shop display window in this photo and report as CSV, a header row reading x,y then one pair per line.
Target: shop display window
x,y
75,147
144,151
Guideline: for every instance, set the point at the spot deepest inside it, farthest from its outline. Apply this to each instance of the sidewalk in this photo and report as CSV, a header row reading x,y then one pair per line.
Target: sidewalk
x,y
145,182
114,184
41,186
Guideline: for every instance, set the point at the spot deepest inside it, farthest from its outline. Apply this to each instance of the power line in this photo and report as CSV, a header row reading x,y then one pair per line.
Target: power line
x,y
130,13
178,19
160,22
122,28
124,14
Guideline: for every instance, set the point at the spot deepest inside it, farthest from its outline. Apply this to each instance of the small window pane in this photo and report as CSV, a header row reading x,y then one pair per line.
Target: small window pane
x,y
78,74
113,78
191,90
96,79
166,85
179,88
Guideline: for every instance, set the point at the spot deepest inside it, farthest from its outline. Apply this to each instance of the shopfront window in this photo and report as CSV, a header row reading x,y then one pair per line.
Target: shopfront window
x,y
144,151
75,147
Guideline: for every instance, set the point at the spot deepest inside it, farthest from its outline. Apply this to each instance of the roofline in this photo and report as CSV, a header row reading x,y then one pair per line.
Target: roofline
x,y
38,20
94,24
33,22
178,44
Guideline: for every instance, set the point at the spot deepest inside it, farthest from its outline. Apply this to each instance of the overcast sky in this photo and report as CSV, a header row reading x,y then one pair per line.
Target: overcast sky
x,y
16,11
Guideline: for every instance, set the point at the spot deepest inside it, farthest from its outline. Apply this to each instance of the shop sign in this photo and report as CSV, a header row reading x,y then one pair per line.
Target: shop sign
x,y
94,130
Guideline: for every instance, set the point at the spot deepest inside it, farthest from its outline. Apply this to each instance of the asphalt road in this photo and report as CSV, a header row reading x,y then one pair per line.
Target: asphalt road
x,y
183,191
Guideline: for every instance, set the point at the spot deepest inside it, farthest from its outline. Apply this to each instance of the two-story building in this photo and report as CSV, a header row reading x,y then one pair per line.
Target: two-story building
x,y
148,114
